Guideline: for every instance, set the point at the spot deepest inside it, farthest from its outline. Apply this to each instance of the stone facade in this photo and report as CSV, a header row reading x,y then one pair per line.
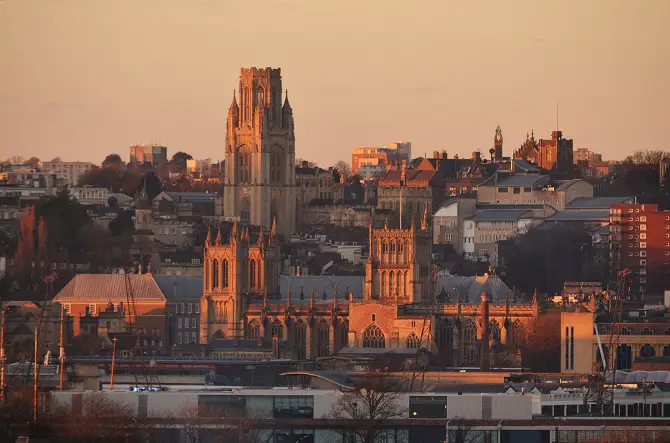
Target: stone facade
x,y
260,182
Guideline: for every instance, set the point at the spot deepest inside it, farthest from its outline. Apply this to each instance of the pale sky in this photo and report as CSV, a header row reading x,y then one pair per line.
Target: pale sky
x,y
81,79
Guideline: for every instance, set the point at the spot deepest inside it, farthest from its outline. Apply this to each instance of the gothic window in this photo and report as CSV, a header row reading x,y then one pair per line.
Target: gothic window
x,y
413,341
373,337
219,335
253,330
261,101
206,270
647,331
344,335
225,273
245,212
301,340
215,273
324,339
276,157
277,329
244,165
392,288
495,331
647,351
399,284
625,331
247,103
252,274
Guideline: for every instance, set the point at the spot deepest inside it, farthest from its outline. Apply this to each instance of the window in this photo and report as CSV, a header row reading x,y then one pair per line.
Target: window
x,y
253,330
193,338
647,351
625,331
179,338
643,244
92,309
373,337
643,218
181,307
293,406
504,190
277,329
643,227
413,341
190,308
67,309
225,273
215,273
193,322
185,338
516,190
647,331
197,308
643,235
527,189
178,322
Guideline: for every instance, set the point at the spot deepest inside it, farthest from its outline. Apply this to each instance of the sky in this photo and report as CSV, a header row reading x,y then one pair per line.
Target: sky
x,y
81,79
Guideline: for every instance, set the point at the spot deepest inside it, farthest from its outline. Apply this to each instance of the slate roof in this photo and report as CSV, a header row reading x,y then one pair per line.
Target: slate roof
x,y
303,284
595,216
522,180
501,215
179,287
470,288
596,202
110,287
192,197
525,165
410,176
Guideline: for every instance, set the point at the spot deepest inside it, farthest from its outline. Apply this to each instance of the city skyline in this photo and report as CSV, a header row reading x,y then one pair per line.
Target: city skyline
x,y
145,73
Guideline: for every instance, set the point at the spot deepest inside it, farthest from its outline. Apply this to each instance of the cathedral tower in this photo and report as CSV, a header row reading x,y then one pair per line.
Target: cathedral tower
x,y
260,153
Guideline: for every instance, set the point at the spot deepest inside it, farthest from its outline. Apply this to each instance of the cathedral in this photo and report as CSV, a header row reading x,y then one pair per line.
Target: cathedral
x,y
260,153
402,303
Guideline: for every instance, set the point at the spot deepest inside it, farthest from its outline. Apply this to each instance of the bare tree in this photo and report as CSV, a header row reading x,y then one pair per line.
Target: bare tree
x,y
371,404
648,156
344,168
460,431
299,162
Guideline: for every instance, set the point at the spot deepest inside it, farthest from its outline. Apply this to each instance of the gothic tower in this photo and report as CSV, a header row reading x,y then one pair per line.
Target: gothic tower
x,y
260,153
498,144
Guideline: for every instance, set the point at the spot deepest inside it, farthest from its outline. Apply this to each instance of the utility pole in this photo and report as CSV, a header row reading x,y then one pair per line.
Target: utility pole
x,y
61,356
2,355
36,370
111,379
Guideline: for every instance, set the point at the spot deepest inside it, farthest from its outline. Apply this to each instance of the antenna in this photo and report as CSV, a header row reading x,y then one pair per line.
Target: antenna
x,y
556,115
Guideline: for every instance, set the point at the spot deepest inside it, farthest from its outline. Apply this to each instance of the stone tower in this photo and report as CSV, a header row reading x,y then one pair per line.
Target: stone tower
x,y
498,144
398,266
260,153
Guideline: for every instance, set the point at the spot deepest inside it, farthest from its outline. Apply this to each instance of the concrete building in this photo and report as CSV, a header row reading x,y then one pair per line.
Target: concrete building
x,y
485,228
152,154
72,172
510,188
89,195
448,222
375,158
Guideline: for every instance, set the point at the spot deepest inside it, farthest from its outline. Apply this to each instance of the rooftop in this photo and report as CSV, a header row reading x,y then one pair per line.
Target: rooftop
x,y
110,288
302,286
586,216
470,289
501,215
180,286
597,202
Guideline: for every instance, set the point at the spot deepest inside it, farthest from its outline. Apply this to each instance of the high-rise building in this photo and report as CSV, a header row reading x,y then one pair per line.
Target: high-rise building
x,y
152,154
260,153
639,249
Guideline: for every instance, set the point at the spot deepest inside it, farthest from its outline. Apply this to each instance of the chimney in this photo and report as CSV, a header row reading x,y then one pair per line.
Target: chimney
x,y
476,156
305,164
436,154
484,364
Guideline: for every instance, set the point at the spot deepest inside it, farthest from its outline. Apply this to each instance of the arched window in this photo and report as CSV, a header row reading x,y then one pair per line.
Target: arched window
x,y
245,211
666,351
208,284
373,337
244,165
215,273
219,335
253,330
413,341
495,331
647,331
300,340
624,358
277,329
261,98
625,331
323,337
392,288
252,273
225,273
647,351
276,163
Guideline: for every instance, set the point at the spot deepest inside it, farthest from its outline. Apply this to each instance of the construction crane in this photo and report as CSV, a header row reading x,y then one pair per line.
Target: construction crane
x,y
608,338
146,379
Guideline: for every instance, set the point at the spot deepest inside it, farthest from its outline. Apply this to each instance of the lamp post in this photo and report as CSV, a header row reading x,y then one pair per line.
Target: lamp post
x,y
111,379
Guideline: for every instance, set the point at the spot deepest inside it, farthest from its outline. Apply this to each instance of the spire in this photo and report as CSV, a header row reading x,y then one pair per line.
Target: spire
x,y
261,240
412,224
217,242
335,298
273,230
424,220
265,297
288,298
233,105
233,233
311,300
208,240
287,105
386,223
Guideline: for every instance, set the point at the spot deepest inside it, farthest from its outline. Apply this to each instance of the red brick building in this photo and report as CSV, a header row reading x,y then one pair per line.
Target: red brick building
x,y
640,248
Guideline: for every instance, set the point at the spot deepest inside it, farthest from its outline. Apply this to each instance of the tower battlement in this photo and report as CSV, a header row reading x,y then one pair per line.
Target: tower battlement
x,y
260,72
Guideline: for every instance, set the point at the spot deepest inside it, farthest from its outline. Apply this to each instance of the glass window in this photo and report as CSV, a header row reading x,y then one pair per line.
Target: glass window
x,y
190,308
294,406
193,323
428,407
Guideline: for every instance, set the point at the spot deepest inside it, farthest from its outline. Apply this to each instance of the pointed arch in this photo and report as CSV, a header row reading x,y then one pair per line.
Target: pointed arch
x,y
253,330
276,164
323,339
413,341
225,273
252,274
243,164
219,335
300,344
215,274
277,330
494,327
245,210
373,337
